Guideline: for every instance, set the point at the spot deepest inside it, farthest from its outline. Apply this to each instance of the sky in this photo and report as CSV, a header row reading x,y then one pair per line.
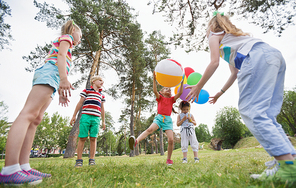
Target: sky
x,y
16,82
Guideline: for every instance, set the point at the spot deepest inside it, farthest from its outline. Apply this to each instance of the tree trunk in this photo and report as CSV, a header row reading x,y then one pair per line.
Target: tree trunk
x,y
72,141
155,143
152,151
132,116
161,142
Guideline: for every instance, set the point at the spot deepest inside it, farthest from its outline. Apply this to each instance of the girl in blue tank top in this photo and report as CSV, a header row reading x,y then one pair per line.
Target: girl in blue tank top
x,y
187,121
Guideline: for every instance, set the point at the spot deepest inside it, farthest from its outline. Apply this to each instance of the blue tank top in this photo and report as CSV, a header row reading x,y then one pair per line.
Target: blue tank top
x,y
186,123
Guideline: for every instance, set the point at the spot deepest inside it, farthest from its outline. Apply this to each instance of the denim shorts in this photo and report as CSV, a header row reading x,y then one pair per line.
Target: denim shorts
x,y
164,122
89,126
48,74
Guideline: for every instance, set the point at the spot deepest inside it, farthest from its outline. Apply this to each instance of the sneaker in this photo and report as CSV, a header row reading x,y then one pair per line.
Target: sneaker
x,y
272,168
284,171
79,163
196,160
91,162
38,173
184,160
169,162
19,178
132,141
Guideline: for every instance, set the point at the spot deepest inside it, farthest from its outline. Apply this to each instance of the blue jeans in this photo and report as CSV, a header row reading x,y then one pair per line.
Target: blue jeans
x,y
261,87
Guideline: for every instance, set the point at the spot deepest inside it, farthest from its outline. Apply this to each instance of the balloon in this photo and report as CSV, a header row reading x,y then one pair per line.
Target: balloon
x,y
169,72
188,71
176,90
193,78
185,92
184,82
203,97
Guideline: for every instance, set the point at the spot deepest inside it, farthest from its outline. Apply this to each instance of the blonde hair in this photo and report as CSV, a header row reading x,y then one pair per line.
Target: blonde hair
x,y
68,27
94,78
222,23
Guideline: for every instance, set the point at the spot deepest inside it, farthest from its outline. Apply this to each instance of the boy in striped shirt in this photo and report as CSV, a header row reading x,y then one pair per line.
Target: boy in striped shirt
x,y
92,103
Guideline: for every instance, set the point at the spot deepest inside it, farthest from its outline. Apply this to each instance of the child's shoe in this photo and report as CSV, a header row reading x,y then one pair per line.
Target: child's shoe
x,y
272,168
19,178
132,141
169,162
283,171
196,160
79,163
91,162
184,160
38,173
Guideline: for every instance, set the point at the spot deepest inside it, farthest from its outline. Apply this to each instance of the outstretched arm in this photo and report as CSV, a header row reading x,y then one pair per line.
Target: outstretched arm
x,y
155,86
214,48
227,85
180,92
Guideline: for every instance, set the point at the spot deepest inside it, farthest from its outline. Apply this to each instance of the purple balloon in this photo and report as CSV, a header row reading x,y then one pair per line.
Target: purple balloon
x,y
185,92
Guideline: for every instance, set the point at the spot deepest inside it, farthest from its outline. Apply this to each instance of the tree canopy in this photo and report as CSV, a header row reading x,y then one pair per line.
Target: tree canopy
x,y
191,17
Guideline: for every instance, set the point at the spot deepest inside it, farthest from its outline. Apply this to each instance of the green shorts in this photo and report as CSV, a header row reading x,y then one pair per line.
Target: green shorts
x,y
164,122
89,126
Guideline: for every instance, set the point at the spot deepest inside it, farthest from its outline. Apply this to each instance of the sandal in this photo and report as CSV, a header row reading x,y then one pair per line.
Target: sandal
x,y
79,163
91,162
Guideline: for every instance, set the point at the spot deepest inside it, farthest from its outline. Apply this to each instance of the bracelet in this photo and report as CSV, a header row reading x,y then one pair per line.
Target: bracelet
x,y
222,91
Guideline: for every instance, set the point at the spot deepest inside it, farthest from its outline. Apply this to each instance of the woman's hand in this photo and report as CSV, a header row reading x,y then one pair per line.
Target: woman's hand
x,y
193,94
214,99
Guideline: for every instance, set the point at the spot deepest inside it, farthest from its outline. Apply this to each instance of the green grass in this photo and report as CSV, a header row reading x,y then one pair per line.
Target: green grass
x,y
227,168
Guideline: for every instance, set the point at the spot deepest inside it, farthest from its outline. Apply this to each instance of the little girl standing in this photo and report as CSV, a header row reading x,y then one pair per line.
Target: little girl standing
x,y
163,119
48,79
186,121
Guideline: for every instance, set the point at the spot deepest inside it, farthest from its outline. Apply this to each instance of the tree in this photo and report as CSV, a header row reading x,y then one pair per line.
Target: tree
x,y
105,140
133,75
228,126
52,132
192,17
5,35
287,116
102,23
3,126
202,133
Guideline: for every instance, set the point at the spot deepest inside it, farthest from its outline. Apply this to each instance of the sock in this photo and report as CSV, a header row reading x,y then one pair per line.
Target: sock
x,y
8,170
185,158
26,167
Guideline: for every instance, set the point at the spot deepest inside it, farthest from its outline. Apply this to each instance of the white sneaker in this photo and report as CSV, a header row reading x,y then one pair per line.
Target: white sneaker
x,y
196,160
272,168
184,160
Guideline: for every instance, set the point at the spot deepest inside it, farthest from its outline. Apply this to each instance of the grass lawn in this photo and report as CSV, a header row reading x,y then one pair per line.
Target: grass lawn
x,y
227,168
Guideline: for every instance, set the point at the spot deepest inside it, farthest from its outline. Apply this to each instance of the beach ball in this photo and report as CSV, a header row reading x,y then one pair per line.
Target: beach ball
x,y
188,71
203,97
169,73
193,78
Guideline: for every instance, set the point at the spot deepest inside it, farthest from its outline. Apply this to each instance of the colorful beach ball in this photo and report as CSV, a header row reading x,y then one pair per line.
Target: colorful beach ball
x,y
169,72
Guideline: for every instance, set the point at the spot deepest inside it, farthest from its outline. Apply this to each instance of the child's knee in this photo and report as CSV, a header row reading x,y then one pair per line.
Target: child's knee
x,y
93,139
